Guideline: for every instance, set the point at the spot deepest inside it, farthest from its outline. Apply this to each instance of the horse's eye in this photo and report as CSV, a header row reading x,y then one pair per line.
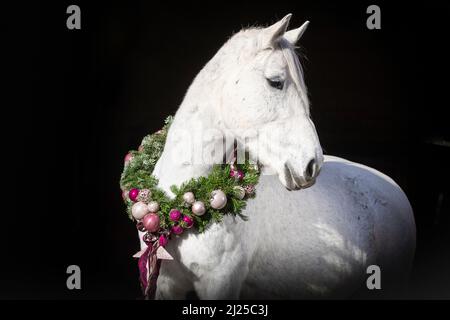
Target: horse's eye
x,y
276,83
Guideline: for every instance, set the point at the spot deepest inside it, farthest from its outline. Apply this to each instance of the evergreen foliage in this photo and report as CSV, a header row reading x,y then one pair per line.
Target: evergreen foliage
x,y
137,174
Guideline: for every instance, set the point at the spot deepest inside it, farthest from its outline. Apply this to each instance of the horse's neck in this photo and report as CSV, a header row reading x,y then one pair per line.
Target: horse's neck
x,y
173,169
195,116
181,159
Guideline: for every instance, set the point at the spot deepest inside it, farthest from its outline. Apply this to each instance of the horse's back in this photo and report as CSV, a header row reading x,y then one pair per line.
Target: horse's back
x,y
394,226
328,234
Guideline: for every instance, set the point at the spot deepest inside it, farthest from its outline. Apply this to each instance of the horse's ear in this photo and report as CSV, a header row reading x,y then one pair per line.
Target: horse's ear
x,y
271,34
295,34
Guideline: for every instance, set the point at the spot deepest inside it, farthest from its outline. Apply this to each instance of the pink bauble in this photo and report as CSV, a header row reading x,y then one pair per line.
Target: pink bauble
x,y
177,229
153,206
175,215
188,197
128,158
233,173
198,208
151,222
218,199
133,194
240,175
163,241
188,222
139,210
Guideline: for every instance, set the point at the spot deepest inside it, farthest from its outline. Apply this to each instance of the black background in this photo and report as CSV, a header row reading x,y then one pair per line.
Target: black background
x,y
78,100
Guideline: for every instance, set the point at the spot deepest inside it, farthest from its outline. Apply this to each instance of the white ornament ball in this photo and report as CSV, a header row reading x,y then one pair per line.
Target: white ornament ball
x,y
239,192
188,197
153,206
218,199
198,208
139,210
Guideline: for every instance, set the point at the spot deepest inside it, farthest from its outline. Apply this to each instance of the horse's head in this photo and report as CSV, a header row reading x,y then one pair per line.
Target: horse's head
x,y
264,102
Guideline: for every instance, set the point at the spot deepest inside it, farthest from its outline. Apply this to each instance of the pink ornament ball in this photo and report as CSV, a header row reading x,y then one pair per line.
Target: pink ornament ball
x,y
151,222
128,158
139,210
163,241
188,222
218,199
237,174
175,215
133,194
189,197
177,229
198,208
153,206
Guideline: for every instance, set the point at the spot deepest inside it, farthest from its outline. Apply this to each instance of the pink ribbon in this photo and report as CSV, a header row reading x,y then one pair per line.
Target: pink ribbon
x,y
149,265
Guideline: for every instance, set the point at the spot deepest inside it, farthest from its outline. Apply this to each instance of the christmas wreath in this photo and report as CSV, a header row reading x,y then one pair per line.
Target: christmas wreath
x,y
196,203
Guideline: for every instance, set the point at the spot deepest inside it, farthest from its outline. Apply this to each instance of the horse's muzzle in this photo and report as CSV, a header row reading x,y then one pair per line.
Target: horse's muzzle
x,y
295,181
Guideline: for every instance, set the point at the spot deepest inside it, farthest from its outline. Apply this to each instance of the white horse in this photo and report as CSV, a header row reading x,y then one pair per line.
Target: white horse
x,y
298,242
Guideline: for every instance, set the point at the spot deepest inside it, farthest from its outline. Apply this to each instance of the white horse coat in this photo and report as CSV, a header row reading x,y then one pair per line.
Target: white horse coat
x,y
298,242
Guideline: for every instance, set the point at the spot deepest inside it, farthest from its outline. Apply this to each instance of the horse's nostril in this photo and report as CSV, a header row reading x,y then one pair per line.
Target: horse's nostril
x,y
310,170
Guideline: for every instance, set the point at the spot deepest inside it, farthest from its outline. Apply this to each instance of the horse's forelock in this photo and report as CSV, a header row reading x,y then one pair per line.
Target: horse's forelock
x,y
295,68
